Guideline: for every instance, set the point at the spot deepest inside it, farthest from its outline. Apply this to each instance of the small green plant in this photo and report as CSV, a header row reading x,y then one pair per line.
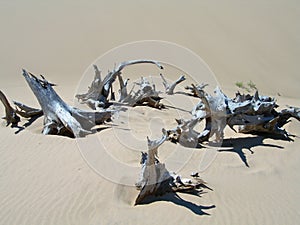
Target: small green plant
x,y
240,85
250,86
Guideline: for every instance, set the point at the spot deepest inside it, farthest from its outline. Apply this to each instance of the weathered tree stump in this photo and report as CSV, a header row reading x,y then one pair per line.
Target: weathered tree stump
x,y
156,180
59,117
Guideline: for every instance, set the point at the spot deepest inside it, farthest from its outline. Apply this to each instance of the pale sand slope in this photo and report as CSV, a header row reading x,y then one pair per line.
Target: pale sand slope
x,y
44,179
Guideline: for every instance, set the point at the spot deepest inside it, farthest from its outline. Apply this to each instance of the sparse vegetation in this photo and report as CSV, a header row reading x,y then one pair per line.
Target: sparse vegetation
x,y
250,86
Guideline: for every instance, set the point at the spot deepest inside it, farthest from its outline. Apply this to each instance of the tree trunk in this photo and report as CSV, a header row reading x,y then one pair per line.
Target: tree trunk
x,y
59,117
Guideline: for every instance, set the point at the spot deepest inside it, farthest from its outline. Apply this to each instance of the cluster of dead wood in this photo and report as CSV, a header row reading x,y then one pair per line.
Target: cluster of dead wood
x,y
62,119
254,114
248,114
100,90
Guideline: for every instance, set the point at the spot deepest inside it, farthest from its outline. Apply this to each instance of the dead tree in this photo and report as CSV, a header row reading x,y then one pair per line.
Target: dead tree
x,y
257,115
250,114
59,117
98,92
156,180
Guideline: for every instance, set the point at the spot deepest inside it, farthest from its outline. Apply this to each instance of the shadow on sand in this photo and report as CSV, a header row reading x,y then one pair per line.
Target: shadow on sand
x,y
28,123
177,200
236,145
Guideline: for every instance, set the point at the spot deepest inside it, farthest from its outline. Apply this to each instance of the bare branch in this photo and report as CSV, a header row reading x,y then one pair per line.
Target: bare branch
x,y
11,116
170,87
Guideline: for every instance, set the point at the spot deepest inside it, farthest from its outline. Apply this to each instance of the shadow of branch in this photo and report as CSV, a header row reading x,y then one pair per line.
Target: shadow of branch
x,y
237,145
177,200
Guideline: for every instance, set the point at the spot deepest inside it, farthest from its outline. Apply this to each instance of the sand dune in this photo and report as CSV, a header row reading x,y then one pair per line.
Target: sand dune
x,y
45,179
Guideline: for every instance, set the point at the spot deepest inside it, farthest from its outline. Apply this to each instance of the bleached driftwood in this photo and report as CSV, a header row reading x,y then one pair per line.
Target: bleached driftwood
x,y
250,114
257,115
169,88
123,88
145,95
21,110
98,93
212,109
59,117
185,134
245,113
214,113
198,87
156,180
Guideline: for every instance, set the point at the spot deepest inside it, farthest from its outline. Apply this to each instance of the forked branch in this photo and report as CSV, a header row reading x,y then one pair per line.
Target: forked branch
x,y
171,86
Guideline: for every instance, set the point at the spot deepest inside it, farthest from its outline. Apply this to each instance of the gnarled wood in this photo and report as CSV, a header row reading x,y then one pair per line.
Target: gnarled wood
x,y
251,114
212,109
156,180
198,87
123,88
257,115
145,95
59,117
185,134
245,113
98,93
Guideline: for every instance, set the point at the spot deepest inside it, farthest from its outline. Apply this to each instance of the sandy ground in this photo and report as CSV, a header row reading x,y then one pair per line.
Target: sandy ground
x,y
45,180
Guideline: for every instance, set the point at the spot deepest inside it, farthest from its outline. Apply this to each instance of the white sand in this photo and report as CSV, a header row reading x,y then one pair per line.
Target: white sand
x,y
44,179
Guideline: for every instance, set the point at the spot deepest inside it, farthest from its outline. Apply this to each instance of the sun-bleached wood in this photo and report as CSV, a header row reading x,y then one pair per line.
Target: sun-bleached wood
x,y
169,87
59,117
99,91
249,114
156,180
145,95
